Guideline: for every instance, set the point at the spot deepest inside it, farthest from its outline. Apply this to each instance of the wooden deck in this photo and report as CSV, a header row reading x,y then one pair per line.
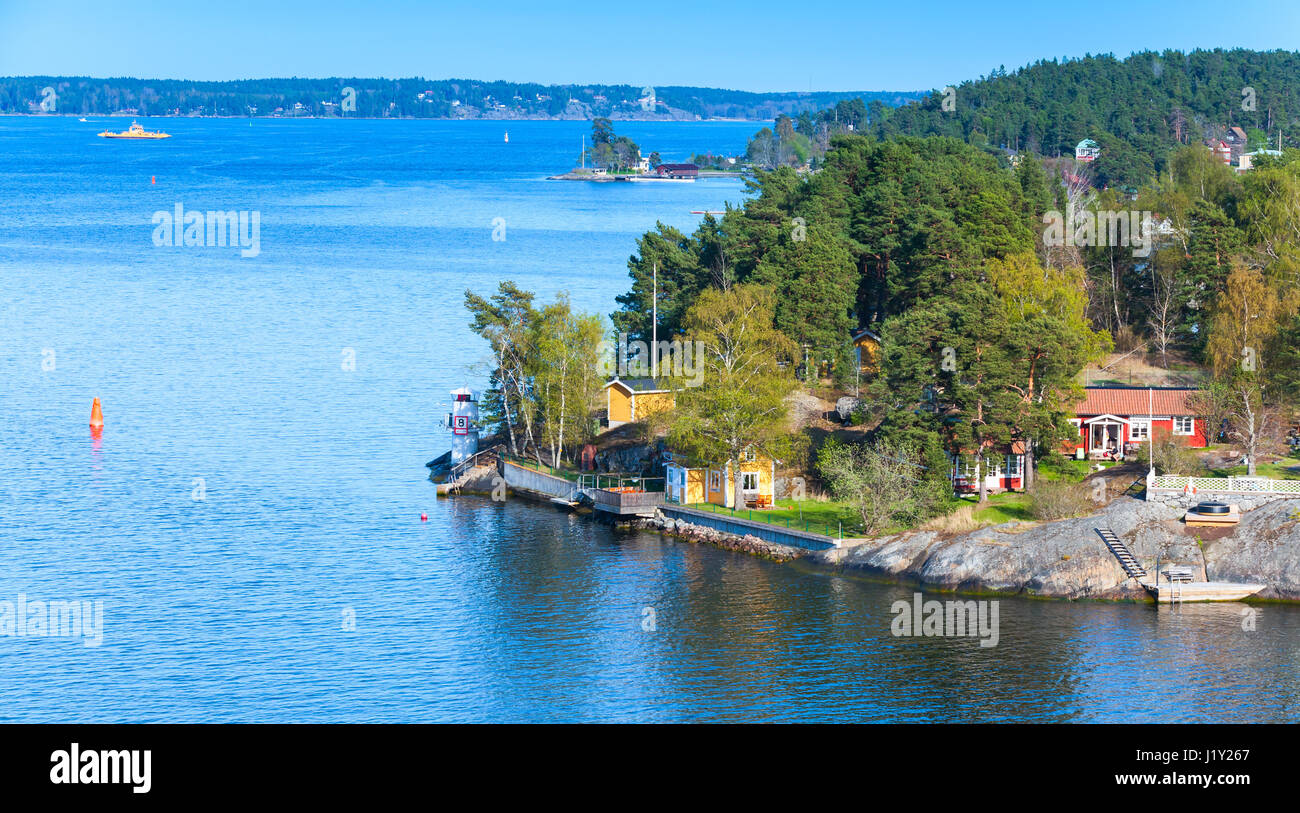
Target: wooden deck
x,y
1166,593
626,503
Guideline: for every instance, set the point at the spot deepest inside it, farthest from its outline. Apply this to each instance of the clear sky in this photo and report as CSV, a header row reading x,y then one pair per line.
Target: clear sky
x,y
749,45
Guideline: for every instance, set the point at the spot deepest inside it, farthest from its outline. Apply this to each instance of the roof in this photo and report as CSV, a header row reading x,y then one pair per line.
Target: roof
x,y
1238,133
677,167
1121,401
637,385
862,333
1085,144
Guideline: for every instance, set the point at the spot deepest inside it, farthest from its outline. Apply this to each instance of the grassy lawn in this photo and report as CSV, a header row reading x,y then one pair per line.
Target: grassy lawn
x,y
1068,469
1286,468
814,516
1005,507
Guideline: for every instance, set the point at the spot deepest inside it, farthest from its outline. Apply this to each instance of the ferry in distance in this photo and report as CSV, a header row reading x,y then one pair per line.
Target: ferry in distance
x,y
134,131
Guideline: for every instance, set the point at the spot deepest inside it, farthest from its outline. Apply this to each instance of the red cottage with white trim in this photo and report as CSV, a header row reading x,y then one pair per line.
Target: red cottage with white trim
x,y
1114,421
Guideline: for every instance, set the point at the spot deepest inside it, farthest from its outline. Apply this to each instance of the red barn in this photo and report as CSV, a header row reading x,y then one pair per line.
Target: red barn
x,y
1114,421
678,171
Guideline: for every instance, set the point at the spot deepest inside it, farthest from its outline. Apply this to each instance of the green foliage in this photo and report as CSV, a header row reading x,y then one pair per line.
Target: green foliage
x,y
881,481
1137,108
545,378
406,97
741,399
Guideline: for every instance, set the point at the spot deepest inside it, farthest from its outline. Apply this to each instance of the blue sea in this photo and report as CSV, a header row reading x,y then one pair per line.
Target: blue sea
x,y
249,519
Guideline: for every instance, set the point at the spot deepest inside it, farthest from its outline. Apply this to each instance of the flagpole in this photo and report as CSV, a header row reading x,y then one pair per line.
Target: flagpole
x,y
654,326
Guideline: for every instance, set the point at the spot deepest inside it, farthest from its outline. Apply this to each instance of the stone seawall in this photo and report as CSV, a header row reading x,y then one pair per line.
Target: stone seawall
x,y
1247,500
746,543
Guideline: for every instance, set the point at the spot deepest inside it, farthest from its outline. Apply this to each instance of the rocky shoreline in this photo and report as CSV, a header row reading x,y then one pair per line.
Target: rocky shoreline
x,y
742,544
1065,559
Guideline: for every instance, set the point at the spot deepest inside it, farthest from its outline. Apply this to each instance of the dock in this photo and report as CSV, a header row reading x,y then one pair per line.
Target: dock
x,y
1181,592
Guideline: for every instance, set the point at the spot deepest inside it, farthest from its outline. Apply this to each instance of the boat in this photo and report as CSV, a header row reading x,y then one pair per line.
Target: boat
x,y
134,131
81,119
507,136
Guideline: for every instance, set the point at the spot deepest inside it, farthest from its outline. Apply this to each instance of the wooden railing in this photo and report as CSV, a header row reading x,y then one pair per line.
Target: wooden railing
x,y
626,502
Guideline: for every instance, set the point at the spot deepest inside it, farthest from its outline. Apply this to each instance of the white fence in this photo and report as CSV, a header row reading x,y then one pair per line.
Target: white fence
x,y
1222,485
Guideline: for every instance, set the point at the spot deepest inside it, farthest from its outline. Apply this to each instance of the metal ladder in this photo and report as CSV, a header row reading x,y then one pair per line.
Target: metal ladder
x,y
1121,552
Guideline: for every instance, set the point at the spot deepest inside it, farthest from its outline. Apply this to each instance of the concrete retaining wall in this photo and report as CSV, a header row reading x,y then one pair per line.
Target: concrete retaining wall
x,y
518,477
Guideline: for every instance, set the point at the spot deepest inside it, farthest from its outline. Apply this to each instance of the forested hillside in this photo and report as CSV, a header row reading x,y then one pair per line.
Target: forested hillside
x,y
1137,108
986,322
412,97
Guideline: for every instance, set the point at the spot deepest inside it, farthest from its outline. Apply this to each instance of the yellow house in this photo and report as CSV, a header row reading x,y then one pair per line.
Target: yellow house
x,y
866,345
689,482
635,399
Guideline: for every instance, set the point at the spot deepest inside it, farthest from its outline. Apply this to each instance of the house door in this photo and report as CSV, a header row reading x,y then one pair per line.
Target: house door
x,y
1104,437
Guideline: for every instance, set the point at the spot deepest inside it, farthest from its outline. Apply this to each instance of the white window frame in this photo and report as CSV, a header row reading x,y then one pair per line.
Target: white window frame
x,y
1139,430
1190,423
745,479
715,480
1012,466
750,455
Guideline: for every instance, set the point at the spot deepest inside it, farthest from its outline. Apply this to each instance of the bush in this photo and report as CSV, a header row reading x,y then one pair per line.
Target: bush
x,y
1059,500
1172,456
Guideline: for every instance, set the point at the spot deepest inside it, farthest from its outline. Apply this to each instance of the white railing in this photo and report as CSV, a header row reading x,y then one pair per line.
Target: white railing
x,y
1237,485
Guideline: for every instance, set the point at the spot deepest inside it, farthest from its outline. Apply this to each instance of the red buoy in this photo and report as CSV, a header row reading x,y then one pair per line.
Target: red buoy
x,y
424,518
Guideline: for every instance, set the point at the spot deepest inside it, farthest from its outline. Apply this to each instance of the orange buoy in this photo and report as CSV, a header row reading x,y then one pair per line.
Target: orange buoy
x,y
153,179
96,414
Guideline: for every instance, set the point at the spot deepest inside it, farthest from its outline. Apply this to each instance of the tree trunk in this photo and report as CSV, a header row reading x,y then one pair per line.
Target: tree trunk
x,y
1028,469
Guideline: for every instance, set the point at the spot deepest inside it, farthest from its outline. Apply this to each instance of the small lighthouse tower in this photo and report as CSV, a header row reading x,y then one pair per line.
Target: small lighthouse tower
x,y
463,423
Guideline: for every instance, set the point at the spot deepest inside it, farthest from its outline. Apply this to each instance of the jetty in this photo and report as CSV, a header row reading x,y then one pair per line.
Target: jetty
x,y
1174,592
1174,584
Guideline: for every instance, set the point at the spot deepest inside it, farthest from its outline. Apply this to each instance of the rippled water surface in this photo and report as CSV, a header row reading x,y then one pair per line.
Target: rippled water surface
x,y
229,370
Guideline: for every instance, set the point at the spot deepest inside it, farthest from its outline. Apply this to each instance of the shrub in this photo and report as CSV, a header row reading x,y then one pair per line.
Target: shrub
x,y
1059,500
1172,455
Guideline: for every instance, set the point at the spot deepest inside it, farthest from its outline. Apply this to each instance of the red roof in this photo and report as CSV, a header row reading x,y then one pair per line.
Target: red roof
x,y
1121,401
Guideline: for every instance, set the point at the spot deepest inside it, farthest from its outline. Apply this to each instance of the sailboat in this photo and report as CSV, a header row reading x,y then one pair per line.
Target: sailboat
x,y
507,136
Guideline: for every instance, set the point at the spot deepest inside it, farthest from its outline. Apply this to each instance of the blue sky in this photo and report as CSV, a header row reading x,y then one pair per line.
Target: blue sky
x,y
752,45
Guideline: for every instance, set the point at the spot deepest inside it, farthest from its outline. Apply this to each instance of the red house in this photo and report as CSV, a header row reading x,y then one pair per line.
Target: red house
x,y
1004,471
1114,421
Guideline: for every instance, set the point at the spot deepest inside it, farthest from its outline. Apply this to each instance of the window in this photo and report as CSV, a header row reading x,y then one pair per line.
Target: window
x,y
715,481
749,455
749,481
1184,425
1139,431
1013,465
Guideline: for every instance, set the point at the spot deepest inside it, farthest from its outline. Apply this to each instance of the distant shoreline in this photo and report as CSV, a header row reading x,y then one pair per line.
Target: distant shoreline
x,y
660,119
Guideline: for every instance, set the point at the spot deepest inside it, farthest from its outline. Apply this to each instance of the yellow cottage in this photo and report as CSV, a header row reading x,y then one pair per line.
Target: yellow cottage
x,y
688,482
866,346
635,399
